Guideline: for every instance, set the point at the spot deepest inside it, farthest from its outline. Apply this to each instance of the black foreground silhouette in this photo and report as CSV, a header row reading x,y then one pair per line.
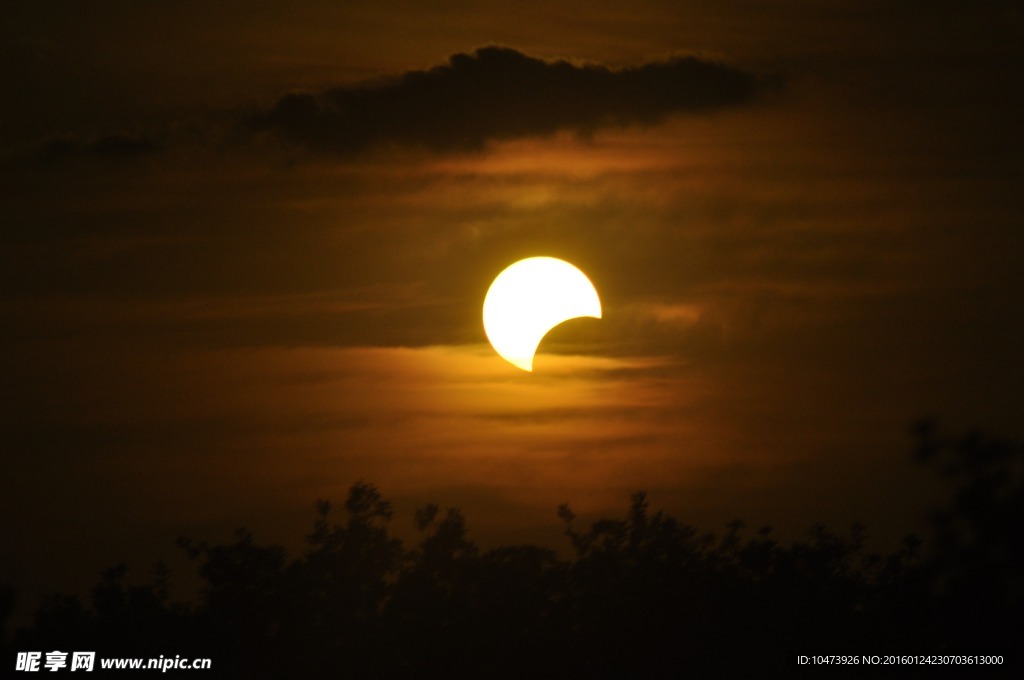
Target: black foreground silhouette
x,y
641,597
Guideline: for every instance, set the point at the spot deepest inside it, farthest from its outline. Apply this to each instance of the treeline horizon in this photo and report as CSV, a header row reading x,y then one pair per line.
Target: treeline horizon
x,y
641,596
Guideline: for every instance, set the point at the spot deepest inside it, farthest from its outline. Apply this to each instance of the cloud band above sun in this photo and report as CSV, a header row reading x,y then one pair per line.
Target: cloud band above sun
x,y
498,93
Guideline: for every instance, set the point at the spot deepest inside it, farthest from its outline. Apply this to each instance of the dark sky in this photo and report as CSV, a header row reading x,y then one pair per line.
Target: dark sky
x,y
246,248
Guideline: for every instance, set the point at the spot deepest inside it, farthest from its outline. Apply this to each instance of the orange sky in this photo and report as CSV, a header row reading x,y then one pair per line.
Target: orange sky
x,y
218,330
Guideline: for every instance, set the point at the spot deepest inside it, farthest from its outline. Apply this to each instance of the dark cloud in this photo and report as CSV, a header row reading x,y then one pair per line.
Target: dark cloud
x,y
109,146
500,93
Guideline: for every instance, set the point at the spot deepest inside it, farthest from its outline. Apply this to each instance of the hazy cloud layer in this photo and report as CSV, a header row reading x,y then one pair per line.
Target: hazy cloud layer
x,y
500,93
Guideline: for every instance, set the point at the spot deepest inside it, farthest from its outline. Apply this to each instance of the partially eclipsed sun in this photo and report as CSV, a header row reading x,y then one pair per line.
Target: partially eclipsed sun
x,y
531,297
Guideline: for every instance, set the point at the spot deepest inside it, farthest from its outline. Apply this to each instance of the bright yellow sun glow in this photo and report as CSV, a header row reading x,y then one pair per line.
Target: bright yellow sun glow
x,y
531,297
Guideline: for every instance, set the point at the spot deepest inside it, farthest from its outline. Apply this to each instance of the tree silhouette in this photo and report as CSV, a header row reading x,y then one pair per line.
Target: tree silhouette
x,y
640,596
977,567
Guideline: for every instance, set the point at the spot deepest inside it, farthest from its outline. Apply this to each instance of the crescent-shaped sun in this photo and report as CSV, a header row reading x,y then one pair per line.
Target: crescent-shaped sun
x,y
528,299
